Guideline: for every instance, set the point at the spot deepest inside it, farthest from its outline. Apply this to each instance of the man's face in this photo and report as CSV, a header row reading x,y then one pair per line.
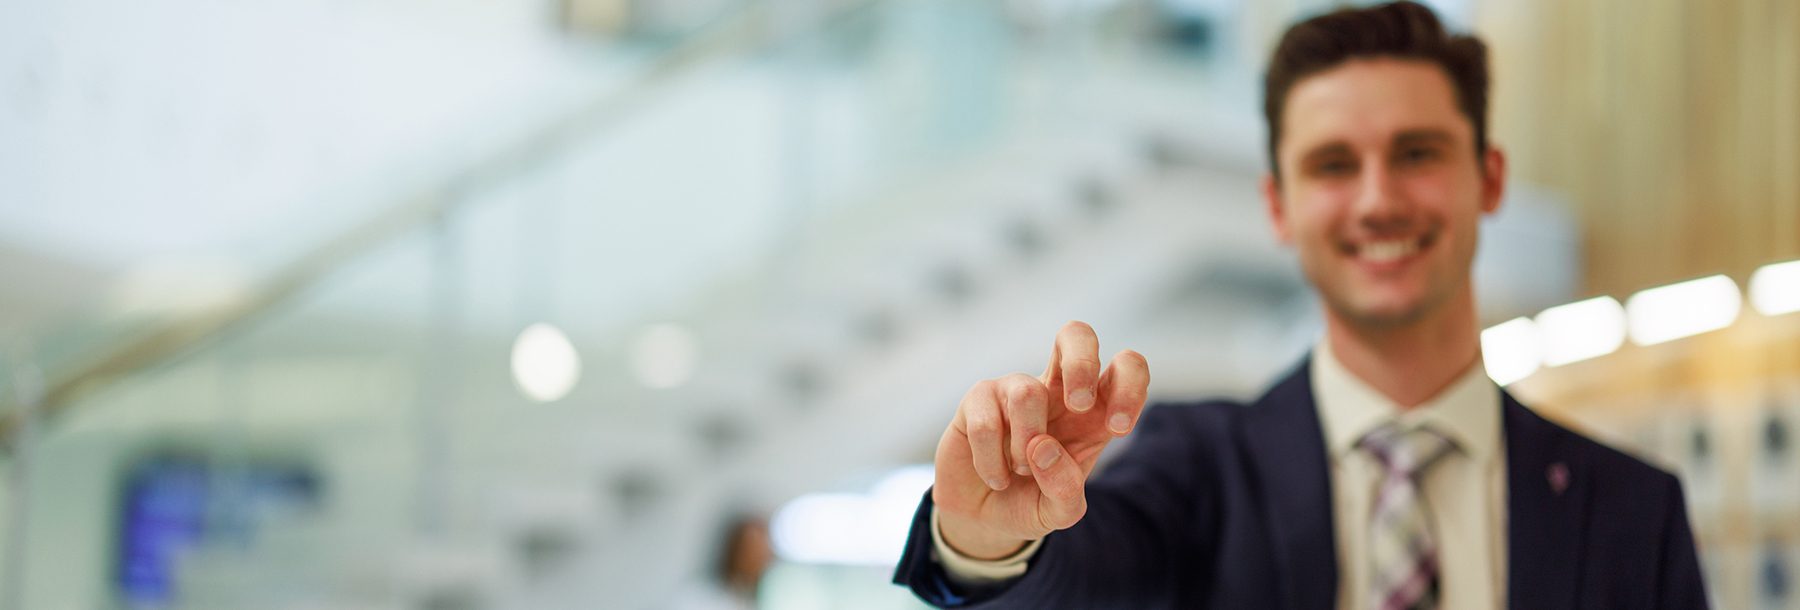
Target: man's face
x,y
1381,190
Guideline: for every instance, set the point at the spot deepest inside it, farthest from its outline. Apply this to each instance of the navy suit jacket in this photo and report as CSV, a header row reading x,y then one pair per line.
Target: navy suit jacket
x,y
1219,505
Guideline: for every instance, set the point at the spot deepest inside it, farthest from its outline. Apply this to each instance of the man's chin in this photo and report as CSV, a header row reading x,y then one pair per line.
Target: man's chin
x,y
1381,315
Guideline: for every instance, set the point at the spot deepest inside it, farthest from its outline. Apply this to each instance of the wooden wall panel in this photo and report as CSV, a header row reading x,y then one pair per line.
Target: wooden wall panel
x,y
1671,125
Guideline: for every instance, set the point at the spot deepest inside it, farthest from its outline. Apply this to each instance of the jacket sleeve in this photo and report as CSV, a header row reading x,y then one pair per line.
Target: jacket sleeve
x,y
920,570
1680,584
1147,520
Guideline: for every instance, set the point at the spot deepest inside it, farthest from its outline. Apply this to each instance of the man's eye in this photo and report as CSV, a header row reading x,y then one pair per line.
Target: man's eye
x,y
1334,168
1414,155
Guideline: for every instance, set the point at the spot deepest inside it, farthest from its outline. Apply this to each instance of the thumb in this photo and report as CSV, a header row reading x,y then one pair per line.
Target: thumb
x,y
1060,481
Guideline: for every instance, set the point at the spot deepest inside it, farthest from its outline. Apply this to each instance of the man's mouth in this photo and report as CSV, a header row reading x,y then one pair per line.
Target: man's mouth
x,y
1390,250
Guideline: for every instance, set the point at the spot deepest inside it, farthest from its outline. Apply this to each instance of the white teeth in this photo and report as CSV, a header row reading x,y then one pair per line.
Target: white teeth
x,y
1385,251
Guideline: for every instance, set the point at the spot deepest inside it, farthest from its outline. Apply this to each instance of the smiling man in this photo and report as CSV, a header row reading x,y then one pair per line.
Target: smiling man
x,y
1386,472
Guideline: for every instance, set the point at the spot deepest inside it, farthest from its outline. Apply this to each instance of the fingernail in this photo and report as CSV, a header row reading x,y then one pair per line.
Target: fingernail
x,y
1046,456
1081,400
997,484
1119,423
1023,469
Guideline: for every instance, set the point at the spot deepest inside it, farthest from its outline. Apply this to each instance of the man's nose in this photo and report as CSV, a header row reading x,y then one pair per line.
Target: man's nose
x,y
1380,204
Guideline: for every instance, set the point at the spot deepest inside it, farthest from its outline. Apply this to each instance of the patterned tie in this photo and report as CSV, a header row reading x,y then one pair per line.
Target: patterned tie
x,y
1403,556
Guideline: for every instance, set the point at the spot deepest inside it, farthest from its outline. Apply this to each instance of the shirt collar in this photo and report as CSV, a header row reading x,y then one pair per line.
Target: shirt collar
x,y
1468,412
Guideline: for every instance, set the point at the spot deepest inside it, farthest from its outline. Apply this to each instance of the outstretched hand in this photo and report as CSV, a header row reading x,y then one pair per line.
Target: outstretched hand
x,y
1014,462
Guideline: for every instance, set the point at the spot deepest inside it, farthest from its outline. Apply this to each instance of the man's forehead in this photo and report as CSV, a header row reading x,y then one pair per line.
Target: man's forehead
x,y
1371,101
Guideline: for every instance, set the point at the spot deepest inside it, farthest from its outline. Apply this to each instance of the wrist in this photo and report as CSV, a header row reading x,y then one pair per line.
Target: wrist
x,y
971,539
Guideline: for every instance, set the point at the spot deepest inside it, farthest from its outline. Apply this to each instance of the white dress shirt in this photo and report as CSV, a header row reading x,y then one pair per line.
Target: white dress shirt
x,y
1464,492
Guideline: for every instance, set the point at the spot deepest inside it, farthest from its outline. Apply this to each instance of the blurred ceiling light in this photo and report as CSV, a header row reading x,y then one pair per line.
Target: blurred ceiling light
x,y
1679,310
1775,289
544,363
1512,350
1581,330
664,356
852,528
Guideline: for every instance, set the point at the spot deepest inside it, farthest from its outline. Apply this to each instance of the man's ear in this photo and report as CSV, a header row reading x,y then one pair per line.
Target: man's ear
x,y
1493,179
1271,191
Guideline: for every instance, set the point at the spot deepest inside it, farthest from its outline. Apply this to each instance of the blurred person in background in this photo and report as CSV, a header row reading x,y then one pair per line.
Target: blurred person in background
x,y
1385,472
743,556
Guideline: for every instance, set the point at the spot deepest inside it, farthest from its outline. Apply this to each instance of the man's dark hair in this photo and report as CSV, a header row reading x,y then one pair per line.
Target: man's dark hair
x,y
1403,30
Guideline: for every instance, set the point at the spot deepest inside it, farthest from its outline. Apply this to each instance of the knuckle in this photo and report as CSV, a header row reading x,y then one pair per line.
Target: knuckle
x,y
1023,391
1011,388
1135,359
1081,365
985,386
983,424
984,429
1015,403
1063,517
1034,391
1132,395
1076,513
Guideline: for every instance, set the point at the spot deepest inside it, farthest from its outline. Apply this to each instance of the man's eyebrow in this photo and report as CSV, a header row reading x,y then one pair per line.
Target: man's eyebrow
x,y
1329,148
1423,136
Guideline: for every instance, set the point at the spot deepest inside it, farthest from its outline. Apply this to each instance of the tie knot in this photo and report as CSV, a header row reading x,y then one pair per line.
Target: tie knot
x,y
1405,452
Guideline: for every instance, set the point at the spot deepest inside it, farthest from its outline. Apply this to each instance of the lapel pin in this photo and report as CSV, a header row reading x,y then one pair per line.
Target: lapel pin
x,y
1559,477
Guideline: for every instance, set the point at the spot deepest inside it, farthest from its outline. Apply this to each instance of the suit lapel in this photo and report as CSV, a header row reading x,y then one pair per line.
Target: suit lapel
x,y
1547,491
1284,447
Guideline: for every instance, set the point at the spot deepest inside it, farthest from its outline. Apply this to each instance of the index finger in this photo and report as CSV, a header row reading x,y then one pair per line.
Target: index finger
x,y
1076,362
